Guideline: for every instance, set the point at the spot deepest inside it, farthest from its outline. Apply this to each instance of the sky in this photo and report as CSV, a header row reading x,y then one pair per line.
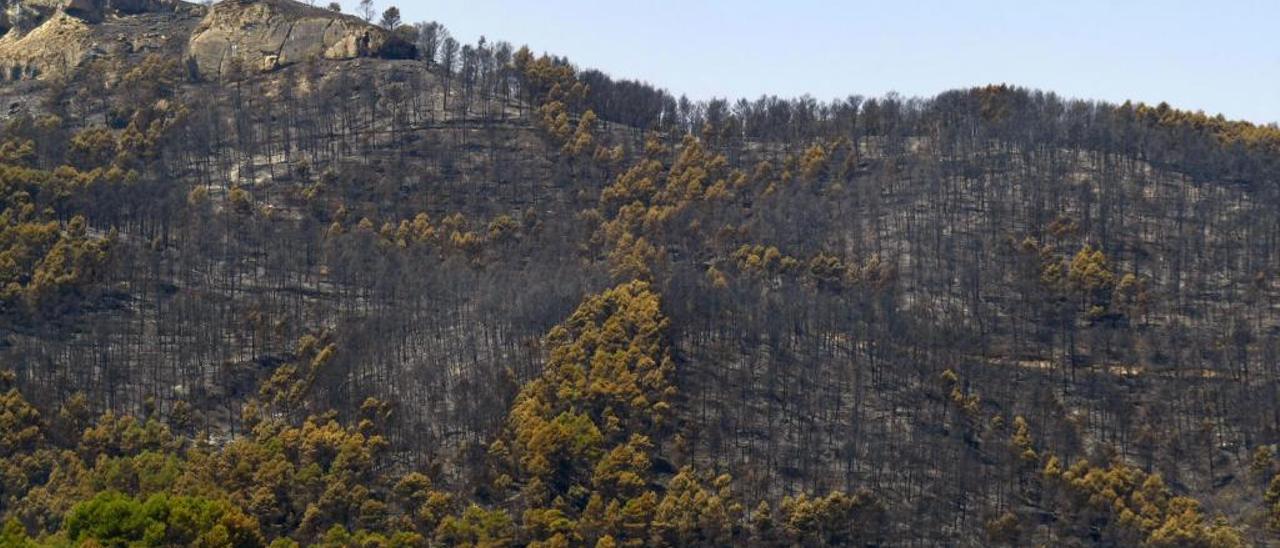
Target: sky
x,y
1220,56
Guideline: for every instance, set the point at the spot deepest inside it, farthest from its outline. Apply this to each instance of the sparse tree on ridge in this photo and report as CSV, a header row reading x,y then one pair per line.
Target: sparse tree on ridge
x,y
429,37
390,18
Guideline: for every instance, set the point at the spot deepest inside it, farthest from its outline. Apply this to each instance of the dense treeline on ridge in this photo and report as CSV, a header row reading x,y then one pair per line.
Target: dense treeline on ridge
x,y
466,294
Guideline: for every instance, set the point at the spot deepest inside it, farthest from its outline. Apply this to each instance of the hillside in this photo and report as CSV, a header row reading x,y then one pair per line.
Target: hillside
x,y
270,274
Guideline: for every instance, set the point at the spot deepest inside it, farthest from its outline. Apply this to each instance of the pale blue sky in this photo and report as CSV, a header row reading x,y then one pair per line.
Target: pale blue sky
x,y
1215,55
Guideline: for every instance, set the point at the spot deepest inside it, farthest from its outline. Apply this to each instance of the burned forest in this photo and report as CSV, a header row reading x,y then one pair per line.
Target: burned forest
x,y
276,275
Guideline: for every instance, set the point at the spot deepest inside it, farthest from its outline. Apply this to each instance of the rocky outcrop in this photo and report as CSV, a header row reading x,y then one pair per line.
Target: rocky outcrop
x,y
263,35
56,46
26,15
50,37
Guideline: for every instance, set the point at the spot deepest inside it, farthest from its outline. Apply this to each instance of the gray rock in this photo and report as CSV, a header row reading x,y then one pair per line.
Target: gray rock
x,y
264,35
48,37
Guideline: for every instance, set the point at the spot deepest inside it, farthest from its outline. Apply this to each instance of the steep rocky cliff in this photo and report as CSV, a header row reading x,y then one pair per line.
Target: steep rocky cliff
x,y
42,38
28,14
53,37
59,43
265,35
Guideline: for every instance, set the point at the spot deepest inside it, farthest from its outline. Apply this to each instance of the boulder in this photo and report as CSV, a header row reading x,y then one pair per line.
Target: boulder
x,y
264,35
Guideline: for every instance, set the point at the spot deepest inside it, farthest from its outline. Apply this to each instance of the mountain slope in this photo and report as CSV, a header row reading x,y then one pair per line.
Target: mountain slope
x,y
474,295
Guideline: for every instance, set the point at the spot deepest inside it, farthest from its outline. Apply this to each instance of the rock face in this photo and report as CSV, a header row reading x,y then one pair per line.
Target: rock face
x,y
48,37
56,46
263,35
26,15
